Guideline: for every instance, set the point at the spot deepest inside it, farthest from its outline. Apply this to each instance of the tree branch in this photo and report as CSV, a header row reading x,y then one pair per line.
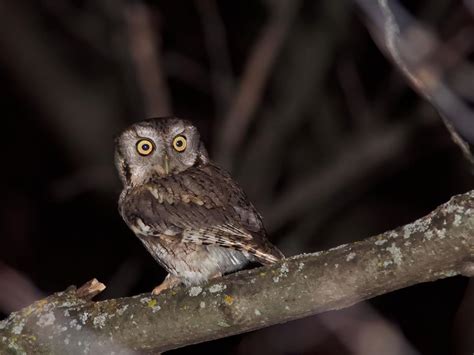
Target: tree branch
x,y
436,246
145,48
252,83
416,52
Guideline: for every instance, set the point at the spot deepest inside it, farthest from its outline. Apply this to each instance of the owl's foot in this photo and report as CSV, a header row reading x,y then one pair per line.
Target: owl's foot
x,y
169,282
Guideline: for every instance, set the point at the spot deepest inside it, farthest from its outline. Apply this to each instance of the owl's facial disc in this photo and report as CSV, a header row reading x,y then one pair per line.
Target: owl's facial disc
x,y
158,147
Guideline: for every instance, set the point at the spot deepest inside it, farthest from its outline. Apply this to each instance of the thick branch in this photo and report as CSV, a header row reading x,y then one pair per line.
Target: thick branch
x,y
436,246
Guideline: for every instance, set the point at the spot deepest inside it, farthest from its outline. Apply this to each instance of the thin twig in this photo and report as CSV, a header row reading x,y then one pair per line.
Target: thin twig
x,y
299,88
216,44
256,73
145,47
90,289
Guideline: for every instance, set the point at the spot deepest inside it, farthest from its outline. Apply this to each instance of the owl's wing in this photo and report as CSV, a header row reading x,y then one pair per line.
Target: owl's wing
x,y
201,217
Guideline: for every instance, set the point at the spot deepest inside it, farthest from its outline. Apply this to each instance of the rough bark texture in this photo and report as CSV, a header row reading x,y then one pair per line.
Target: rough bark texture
x,y
436,246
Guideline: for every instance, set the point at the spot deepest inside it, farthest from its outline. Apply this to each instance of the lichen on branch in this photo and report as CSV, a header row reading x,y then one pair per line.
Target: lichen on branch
x,y
438,245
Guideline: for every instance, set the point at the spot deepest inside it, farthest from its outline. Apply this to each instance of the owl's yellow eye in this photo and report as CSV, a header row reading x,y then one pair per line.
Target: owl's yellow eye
x,y
179,143
144,147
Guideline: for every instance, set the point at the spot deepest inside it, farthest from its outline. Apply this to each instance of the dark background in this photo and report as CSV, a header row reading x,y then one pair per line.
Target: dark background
x,y
334,147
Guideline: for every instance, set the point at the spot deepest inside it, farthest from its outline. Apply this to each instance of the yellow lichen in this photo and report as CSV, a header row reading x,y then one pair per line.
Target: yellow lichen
x,y
151,303
228,299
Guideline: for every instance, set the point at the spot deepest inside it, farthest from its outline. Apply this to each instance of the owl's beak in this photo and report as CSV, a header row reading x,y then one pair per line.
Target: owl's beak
x,y
166,164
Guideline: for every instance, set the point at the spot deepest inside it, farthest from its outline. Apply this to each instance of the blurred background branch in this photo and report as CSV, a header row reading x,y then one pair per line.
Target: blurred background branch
x,y
145,49
251,86
424,60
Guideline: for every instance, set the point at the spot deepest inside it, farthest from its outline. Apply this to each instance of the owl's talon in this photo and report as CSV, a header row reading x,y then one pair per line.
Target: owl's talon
x,y
168,282
158,289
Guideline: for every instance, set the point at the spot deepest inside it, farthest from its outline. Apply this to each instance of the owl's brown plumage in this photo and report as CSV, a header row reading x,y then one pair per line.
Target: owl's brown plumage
x,y
190,215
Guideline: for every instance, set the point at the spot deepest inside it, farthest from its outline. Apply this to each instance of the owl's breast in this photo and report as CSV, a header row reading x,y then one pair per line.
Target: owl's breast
x,y
193,263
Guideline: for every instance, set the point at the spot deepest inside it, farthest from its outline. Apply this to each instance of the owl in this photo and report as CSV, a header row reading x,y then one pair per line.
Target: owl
x,y
190,215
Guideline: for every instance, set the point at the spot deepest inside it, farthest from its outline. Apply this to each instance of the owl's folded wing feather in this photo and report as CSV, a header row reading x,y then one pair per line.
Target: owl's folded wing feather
x,y
165,214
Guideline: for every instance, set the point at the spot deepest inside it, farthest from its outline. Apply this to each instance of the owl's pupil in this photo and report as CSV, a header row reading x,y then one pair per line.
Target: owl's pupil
x,y
179,144
145,146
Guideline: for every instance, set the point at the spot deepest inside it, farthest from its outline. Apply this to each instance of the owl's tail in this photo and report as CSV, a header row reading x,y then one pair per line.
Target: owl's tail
x,y
268,255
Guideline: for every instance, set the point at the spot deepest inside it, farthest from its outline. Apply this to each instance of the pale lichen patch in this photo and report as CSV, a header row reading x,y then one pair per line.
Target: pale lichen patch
x,y
217,288
67,304
429,235
457,220
381,241
122,310
453,208
396,254
46,319
73,324
145,300
257,312
351,256
86,347
283,272
12,344
202,304
18,328
305,255
195,291
419,226
83,317
441,233
342,246
447,273
99,321
300,266
392,234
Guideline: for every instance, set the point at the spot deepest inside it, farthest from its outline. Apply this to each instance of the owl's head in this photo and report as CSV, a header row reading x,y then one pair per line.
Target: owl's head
x,y
157,147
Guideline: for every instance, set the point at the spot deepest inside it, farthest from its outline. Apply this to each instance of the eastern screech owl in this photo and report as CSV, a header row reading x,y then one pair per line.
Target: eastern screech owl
x,y
190,215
